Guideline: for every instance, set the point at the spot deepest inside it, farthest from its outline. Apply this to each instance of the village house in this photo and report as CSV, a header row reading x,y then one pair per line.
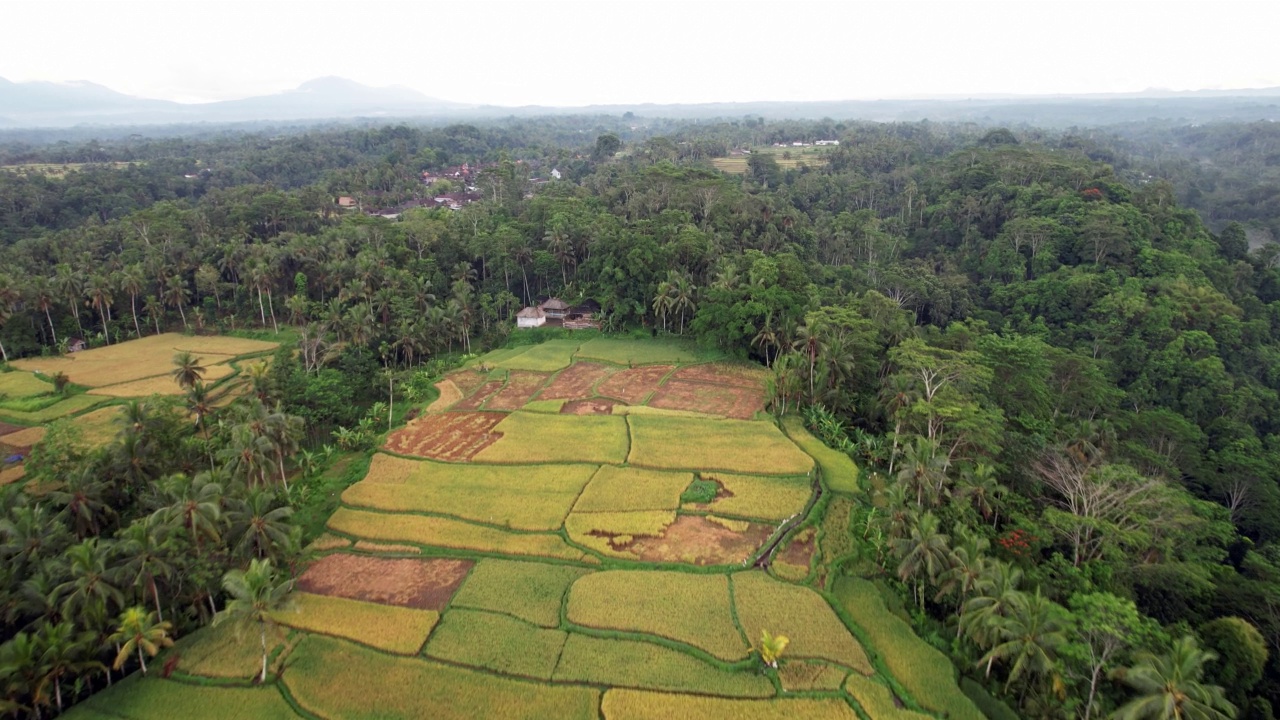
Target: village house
x,y
827,142
76,344
555,308
531,317
346,201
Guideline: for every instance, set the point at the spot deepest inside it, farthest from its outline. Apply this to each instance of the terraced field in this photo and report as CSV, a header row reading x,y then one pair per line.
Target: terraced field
x,y
102,379
594,530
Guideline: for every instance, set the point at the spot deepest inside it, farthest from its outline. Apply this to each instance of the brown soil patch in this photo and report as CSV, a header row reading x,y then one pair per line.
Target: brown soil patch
x,y
720,374
575,382
520,388
799,551
634,384
696,540
6,428
451,436
479,397
407,582
727,400
468,380
598,406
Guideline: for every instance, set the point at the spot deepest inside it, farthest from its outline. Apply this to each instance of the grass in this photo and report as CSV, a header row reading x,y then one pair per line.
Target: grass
x,y
535,497
799,613
920,668
606,532
22,385
143,358
770,498
60,409
542,438
549,356
161,384
689,608
632,663
838,469
391,628
621,351
728,445
646,705
877,701
441,532
615,489
496,642
151,698
340,681
530,591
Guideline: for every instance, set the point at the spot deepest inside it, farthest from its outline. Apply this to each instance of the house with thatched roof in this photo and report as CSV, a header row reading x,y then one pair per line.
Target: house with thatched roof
x,y
531,317
555,308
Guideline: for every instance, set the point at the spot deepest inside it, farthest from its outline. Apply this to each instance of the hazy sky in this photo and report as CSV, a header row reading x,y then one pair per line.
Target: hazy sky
x,y
614,51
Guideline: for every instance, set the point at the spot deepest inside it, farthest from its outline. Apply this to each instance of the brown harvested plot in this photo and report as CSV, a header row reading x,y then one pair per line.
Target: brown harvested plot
x,y
575,382
587,407
480,396
451,436
740,403
468,380
721,374
407,582
694,539
633,385
520,389
799,551
6,428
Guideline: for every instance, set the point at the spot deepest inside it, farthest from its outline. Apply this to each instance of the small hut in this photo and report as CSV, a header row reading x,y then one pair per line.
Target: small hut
x,y
531,317
76,344
555,308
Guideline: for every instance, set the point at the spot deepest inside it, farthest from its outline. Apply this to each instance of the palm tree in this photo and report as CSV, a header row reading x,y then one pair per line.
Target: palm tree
x,y
42,298
176,295
1170,686
22,666
255,593
154,309
257,524
195,505
682,293
83,500
923,473
1028,638
91,592
71,284
133,280
995,596
64,652
925,551
187,369
139,631
981,488
766,338
285,433
662,302
6,313
145,561
98,289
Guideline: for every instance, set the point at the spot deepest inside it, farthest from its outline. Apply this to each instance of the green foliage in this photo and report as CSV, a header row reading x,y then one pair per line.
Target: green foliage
x,y
700,492
1242,655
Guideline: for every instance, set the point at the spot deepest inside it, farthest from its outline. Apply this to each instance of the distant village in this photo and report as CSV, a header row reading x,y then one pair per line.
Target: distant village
x,y
464,176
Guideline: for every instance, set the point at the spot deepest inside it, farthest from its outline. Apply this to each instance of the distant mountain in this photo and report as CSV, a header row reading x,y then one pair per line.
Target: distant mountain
x,y
61,104
47,104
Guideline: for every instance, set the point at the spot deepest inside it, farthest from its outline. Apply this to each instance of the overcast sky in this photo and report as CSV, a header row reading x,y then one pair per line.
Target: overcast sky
x,y
614,51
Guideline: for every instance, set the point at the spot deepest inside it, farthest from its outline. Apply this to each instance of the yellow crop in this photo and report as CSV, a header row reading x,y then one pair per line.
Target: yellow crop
x,y
615,489
646,665
392,628
644,705
799,613
530,591
442,532
541,438
730,445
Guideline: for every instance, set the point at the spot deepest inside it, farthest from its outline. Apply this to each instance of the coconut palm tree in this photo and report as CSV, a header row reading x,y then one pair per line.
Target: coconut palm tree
x,y
92,591
41,296
1028,638
145,558
22,666
83,501
176,295
925,551
195,505
6,314
71,284
138,631
98,289
995,596
255,593
64,652
258,525
1170,686
133,280
187,369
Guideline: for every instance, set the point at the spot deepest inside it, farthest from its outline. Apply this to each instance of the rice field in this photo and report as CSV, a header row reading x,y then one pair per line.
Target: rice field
x,y
161,384
99,427
687,608
23,385
728,445
391,628
541,438
143,358
60,409
565,534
